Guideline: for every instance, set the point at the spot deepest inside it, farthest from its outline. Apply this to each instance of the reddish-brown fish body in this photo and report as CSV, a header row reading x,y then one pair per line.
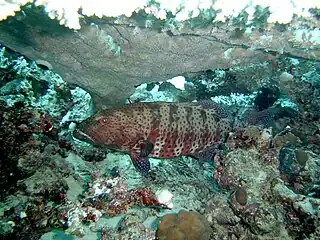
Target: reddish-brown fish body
x,y
159,129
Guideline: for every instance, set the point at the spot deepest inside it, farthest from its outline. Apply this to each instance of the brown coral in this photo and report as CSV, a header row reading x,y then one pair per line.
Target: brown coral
x,y
184,225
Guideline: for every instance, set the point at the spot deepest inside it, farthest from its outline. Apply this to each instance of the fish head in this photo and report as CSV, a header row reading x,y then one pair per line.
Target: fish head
x,y
110,130
98,130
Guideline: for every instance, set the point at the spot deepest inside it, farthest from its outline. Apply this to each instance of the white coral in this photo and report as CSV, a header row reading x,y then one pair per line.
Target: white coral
x,y
164,196
10,7
67,12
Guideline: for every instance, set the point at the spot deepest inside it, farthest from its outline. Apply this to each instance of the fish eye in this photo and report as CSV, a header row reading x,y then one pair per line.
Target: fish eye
x,y
102,120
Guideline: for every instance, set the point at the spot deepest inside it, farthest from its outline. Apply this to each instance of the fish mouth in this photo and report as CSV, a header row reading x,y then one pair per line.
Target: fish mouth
x,y
79,135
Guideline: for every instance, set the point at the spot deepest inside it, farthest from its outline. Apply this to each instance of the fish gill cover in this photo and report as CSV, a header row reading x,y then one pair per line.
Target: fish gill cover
x,y
166,120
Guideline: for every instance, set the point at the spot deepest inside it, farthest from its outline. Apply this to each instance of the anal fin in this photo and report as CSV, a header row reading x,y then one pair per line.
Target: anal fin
x,y
207,154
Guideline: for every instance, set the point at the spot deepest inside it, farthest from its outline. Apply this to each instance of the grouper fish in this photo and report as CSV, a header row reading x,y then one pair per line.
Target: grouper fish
x,y
157,129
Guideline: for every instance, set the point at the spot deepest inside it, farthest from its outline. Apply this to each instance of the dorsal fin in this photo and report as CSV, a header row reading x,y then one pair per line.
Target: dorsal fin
x,y
222,110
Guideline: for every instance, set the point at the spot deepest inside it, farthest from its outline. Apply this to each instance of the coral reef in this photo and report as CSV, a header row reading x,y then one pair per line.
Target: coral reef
x,y
29,126
261,183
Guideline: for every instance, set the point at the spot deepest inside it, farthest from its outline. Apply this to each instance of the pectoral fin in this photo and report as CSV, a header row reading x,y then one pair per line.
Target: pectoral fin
x,y
140,159
141,163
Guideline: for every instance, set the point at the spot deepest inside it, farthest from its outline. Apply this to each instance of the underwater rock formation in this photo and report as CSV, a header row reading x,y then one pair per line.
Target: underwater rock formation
x,y
109,56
